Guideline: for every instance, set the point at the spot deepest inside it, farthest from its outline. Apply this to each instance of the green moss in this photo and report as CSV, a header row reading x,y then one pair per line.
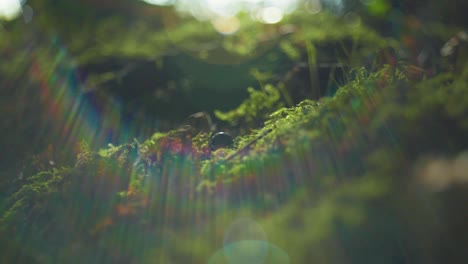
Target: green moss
x,y
319,168
337,176
33,199
254,110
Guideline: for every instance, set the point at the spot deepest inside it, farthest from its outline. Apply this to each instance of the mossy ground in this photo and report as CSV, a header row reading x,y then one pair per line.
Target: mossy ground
x,y
374,172
345,179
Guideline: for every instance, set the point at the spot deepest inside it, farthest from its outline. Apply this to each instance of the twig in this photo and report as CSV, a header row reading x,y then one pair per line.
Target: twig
x,y
248,144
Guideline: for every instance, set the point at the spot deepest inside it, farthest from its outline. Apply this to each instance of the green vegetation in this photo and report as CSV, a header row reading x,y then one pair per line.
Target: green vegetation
x,y
371,173
312,174
253,111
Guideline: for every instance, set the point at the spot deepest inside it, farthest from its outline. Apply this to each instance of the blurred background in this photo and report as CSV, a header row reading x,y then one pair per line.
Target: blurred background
x,y
112,70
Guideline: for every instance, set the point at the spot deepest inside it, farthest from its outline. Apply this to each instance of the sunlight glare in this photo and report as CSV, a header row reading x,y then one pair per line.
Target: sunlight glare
x,y
9,9
270,11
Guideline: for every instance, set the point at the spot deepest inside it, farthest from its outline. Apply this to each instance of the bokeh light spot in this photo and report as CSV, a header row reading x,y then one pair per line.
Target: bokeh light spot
x,y
160,2
210,9
244,229
246,251
352,19
250,252
9,9
313,6
271,15
245,241
28,13
226,25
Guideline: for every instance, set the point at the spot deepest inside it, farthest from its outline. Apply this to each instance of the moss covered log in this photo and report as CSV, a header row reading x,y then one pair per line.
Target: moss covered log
x,y
374,174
